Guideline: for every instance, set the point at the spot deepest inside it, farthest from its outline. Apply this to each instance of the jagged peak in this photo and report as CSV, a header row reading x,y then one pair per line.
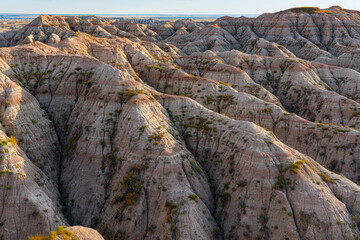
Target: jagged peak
x,y
225,18
49,20
173,131
185,20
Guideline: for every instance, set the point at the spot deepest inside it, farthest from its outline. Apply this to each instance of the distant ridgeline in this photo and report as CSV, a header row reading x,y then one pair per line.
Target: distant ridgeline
x,y
128,16
310,10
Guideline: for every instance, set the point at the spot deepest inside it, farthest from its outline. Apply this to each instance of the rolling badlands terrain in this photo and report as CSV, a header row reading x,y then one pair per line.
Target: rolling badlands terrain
x,y
241,128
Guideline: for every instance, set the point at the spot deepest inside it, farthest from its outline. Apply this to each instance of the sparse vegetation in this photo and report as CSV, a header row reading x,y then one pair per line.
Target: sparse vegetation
x,y
112,122
61,233
324,177
307,10
130,186
193,197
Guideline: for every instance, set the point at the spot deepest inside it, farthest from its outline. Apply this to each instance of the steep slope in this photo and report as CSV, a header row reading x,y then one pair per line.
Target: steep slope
x,y
127,189
29,197
307,32
139,132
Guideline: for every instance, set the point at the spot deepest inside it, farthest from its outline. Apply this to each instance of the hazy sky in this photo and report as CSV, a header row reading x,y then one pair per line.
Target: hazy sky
x,y
163,6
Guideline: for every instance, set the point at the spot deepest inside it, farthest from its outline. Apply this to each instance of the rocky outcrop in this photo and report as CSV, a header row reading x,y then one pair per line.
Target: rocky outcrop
x,y
308,33
71,233
181,130
265,48
83,233
29,199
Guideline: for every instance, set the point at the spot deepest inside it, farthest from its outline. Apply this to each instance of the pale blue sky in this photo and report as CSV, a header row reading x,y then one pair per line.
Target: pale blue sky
x,y
163,6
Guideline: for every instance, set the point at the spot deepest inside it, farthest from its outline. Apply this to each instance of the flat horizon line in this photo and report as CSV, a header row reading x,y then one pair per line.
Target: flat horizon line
x,y
129,14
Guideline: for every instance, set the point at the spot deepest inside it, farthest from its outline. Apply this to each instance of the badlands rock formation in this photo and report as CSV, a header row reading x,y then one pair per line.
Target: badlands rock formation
x,y
243,128
70,233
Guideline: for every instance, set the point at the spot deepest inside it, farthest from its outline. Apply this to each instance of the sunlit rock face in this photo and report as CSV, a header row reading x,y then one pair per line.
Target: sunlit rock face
x,y
241,128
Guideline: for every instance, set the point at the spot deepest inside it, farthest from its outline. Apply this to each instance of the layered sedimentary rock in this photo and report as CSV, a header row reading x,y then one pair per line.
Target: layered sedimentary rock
x,y
238,129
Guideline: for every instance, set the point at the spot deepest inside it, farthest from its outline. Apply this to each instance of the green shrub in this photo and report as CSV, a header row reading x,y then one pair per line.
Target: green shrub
x,y
193,197
324,176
